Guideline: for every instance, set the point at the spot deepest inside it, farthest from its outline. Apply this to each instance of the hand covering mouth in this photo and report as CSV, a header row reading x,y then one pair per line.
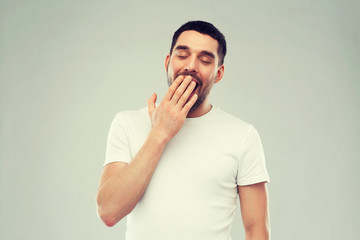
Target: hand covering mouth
x,y
195,78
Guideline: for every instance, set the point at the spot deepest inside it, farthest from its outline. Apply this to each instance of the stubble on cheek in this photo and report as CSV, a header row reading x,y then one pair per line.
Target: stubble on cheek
x,y
169,78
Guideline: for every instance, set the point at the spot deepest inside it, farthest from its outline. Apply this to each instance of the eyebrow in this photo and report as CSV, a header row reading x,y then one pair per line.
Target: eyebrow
x,y
207,53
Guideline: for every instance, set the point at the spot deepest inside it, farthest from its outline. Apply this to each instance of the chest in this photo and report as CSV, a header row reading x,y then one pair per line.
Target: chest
x,y
199,161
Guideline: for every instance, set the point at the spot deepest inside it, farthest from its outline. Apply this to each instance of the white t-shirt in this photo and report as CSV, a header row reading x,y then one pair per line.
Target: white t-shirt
x,y
192,193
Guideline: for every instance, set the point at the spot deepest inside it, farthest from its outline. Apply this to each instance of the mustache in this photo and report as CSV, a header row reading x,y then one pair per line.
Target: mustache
x,y
193,75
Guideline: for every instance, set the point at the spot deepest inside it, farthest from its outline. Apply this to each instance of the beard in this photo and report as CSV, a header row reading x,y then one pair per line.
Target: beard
x,y
201,90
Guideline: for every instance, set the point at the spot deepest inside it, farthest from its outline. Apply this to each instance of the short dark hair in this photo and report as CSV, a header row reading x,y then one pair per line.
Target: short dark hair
x,y
204,28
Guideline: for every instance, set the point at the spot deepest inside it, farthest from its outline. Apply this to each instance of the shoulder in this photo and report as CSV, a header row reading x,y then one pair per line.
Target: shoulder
x,y
131,115
131,119
232,122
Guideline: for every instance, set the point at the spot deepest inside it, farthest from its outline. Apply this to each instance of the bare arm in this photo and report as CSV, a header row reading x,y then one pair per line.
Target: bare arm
x,y
122,185
254,211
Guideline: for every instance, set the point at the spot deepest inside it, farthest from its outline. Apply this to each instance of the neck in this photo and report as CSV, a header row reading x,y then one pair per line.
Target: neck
x,y
203,109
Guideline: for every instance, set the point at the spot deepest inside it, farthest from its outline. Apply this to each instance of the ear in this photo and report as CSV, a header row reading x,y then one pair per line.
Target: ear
x,y
167,61
220,73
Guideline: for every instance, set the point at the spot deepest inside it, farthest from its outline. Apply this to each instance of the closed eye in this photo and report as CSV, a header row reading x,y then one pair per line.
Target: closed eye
x,y
205,60
182,54
206,57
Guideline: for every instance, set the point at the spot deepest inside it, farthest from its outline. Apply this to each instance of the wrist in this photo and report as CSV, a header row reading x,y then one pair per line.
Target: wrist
x,y
159,137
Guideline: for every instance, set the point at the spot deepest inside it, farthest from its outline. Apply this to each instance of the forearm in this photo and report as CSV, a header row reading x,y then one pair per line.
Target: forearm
x,y
254,211
261,232
123,186
119,194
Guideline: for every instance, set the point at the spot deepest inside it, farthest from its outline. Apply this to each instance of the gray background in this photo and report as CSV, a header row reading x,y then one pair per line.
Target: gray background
x,y
67,67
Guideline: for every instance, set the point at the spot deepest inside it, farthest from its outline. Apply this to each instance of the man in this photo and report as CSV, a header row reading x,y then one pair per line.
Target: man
x,y
176,168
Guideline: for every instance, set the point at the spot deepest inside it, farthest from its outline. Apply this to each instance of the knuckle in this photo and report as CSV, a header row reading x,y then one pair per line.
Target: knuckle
x,y
184,98
178,92
172,88
173,112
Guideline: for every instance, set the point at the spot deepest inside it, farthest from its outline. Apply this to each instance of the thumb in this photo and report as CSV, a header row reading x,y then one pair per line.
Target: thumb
x,y
151,104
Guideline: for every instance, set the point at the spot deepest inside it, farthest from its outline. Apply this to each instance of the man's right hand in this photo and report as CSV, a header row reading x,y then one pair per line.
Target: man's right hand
x,y
122,185
169,116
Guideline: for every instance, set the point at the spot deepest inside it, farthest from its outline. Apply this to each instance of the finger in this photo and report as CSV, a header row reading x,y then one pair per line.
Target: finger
x,y
181,89
185,97
151,104
189,104
173,87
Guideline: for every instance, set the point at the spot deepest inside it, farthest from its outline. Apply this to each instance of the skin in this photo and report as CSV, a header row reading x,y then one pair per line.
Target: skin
x,y
254,211
122,185
192,51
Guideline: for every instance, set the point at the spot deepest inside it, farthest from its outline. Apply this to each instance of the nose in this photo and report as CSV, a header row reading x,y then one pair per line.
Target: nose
x,y
191,65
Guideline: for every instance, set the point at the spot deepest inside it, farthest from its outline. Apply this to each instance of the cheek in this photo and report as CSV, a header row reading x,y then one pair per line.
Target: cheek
x,y
176,67
210,76
173,69
170,72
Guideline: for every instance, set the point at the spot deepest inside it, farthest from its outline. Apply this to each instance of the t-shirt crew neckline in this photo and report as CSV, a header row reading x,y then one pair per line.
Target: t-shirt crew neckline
x,y
209,114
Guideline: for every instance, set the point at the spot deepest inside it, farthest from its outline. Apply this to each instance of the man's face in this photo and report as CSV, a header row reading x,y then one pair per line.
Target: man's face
x,y
195,54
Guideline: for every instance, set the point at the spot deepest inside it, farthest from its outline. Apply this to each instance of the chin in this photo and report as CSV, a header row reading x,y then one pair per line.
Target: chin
x,y
195,106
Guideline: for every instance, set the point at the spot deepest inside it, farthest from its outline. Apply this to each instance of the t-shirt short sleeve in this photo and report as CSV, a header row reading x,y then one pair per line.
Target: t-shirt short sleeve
x,y
252,168
117,149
